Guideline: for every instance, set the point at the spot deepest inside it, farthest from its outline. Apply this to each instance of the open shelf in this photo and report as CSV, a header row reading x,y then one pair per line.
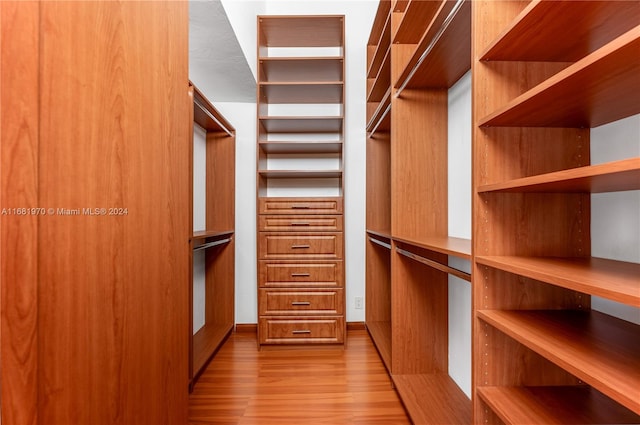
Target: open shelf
x,y
578,96
456,247
380,234
381,52
300,31
381,117
302,92
382,81
614,280
578,404
300,174
211,234
206,341
208,117
302,124
302,69
417,16
601,350
610,177
315,146
433,399
380,333
444,53
563,31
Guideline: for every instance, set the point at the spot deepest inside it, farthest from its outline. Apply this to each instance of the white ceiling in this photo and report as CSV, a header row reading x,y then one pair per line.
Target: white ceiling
x,y
217,64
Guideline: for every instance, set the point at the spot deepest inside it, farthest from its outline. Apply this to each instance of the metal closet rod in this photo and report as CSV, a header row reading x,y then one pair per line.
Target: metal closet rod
x,y
210,115
436,38
212,244
384,114
377,242
436,265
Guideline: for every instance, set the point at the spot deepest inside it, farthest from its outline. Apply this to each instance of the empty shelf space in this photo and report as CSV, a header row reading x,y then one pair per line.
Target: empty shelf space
x,y
381,335
381,118
444,52
555,405
382,49
433,399
298,92
578,96
601,350
301,31
563,31
456,247
417,16
609,177
380,85
300,174
614,280
206,341
302,124
274,70
315,146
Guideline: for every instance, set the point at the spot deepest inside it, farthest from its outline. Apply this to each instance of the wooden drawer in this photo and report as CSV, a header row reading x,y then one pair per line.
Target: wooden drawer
x,y
290,274
300,206
302,331
300,223
301,246
282,302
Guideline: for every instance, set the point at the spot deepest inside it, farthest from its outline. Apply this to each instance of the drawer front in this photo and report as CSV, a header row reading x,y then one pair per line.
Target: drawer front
x,y
300,223
300,206
300,246
302,331
278,275
282,302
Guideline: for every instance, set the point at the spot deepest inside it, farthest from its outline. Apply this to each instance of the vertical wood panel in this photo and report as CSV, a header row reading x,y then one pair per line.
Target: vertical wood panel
x,y
19,189
115,133
221,195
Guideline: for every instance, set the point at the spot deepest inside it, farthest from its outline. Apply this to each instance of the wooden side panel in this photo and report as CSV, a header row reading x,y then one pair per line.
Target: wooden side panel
x,y
19,131
220,285
379,183
113,288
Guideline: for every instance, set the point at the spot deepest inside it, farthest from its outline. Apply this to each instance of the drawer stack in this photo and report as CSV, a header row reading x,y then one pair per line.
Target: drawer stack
x,y
301,271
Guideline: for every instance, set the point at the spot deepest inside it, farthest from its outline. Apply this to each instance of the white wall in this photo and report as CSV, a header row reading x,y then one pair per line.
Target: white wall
x,y
459,216
359,16
615,217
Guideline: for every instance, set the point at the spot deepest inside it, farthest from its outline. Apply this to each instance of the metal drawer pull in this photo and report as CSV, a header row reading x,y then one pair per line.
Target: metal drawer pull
x,y
294,223
300,274
302,331
300,207
300,303
300,246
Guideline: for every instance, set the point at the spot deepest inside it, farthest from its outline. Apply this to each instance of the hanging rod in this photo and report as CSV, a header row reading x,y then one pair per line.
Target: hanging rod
x,y
384,114
377,242
212,244
210,115
436,265
432,44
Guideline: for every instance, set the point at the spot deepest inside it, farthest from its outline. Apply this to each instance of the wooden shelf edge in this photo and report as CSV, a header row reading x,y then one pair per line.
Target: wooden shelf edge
x,y
316,146
207,116
570,97
285,174
415,12
601,350
433,399
382,234
578,404
610,177
456,247
211,234
381,113
382,50
610,279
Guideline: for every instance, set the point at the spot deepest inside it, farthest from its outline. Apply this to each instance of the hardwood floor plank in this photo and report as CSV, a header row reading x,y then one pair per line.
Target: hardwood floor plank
x,y
294,385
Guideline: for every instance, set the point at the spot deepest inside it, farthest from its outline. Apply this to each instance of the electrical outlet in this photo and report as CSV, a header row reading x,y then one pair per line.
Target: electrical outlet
x,y
359,303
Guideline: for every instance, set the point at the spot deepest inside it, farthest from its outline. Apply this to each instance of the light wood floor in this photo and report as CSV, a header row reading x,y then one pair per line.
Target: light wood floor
x,y
325,385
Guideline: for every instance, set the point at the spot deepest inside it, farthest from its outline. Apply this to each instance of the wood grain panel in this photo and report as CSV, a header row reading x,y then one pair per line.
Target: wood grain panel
x,y
320,246
274,274
221,195
114,133
301,301
300,205
379,182
297,223
19,136
312,330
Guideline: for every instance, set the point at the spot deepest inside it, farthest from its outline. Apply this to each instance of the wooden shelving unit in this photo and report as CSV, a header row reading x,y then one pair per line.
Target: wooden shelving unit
x,y
217,238
408,246
301,293
540,354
